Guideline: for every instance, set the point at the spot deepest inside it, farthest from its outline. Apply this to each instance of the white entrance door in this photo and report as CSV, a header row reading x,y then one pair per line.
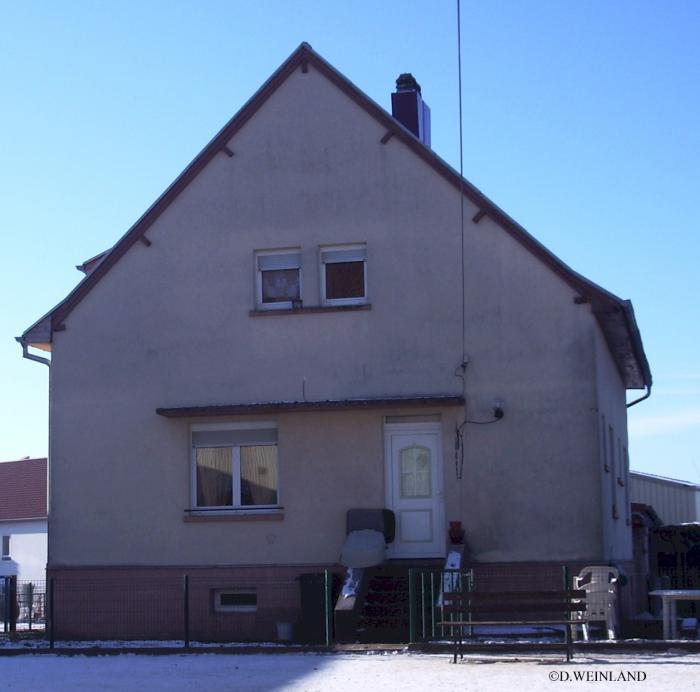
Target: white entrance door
x,y
414,490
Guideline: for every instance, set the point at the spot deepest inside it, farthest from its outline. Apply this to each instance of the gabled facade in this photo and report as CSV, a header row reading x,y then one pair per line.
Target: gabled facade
x,y
292,330
23,513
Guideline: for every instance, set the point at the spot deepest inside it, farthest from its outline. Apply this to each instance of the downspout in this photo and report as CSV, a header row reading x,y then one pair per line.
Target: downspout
x,y
641,398
31,356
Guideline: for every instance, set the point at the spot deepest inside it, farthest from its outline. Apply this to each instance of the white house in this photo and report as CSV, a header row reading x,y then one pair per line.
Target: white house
x,y
23,515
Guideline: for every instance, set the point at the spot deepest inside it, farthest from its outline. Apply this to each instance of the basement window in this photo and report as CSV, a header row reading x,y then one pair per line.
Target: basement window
x,y
344,274
235,600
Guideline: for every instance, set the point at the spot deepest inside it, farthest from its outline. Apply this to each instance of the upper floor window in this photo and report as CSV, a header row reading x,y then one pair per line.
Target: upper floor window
x,y
278,277
5,547
344,274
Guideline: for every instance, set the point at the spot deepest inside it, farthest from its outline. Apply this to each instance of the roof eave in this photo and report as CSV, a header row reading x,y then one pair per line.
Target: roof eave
x,y
41,332
272,407
619,327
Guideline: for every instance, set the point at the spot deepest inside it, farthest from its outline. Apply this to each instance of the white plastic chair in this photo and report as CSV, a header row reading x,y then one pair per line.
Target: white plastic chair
x,y
599,583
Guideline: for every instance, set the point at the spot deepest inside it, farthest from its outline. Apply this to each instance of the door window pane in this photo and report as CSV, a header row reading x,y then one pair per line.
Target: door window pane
x,y
259,475
415,472
214,476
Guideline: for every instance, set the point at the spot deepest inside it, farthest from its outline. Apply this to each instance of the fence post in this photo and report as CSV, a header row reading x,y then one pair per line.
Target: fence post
x,y
51,614
29,597
13,603
327,598
186,605
411,607
433,600
5,609
568,614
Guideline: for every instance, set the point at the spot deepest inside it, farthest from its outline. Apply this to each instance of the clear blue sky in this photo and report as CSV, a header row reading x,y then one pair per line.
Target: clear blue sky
x,y
581,120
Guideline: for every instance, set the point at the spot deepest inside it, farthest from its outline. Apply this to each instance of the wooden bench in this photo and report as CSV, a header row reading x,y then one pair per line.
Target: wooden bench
x,y
466,609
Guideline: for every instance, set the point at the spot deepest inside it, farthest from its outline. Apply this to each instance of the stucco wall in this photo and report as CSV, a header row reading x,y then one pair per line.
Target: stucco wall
x,y
529,478
614,481
170,326
135,512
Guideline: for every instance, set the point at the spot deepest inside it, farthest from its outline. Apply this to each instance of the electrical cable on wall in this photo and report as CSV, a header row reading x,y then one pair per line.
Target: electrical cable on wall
x,y
498,414
461,182
461,370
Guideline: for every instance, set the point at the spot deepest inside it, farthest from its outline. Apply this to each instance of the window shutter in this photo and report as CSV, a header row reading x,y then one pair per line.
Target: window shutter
x,y
287,260
353,255
231,438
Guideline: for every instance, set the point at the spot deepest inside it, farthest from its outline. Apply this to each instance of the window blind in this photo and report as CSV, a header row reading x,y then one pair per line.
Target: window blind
x,y
232,438
353,255
287,260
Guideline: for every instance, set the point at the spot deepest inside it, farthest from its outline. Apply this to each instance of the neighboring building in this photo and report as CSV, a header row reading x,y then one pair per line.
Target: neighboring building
x,y
674,501
666,533
23,519
283,336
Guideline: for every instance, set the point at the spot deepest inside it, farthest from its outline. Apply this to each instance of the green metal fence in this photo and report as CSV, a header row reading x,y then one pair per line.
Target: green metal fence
x,y
22,605
426,588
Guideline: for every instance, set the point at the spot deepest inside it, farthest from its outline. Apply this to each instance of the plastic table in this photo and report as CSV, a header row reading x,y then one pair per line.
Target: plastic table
x,y
669,597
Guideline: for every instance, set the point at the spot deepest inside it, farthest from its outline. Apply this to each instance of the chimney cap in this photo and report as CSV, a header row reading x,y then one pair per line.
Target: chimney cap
x,y
407,82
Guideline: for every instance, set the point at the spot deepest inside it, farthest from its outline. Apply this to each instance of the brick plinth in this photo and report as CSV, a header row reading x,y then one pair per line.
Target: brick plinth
x,y
148,603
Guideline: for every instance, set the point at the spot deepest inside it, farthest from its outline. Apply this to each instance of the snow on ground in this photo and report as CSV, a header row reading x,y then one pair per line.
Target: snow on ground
x,y
6,643
674,670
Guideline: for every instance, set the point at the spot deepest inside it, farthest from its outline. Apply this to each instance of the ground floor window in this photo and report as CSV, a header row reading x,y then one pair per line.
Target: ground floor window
x,y
235,600
235,468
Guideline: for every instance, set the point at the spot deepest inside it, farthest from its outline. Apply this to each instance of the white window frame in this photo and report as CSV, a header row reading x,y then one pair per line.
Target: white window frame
x,y
350,247
293,263
236,507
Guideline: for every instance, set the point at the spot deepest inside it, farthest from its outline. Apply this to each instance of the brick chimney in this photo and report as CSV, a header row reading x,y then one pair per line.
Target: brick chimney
x,y
408,107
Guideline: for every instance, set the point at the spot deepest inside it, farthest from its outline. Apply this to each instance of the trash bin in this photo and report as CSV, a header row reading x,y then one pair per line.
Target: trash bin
x,y
285,631
312,624
9,606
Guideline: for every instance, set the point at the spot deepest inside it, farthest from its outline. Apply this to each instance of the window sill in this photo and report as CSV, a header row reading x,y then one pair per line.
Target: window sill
x,y
195,516
310,310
